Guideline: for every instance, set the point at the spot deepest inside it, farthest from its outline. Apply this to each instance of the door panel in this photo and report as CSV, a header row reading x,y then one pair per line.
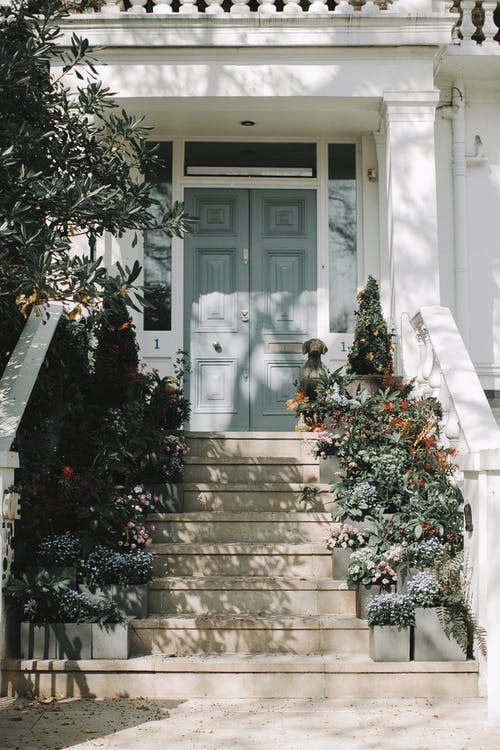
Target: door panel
x,y
216,290
282,299
250,295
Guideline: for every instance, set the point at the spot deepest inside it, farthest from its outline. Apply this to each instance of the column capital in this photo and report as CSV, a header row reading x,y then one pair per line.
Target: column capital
x,y
409,106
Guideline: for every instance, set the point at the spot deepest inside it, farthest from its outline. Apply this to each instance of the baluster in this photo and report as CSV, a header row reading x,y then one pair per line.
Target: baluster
x,y
240,8
344,8
422,350
428,363
137,7
188,8
435,378
369,8
490,29
162,7
266,7
318,7
452,427
214,8
467,27
111,8
292,8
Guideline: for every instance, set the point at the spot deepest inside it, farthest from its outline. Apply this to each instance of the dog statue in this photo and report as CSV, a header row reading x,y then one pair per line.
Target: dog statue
x,y
314,369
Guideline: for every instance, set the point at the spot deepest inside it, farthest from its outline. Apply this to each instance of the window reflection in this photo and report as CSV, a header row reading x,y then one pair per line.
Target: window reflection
x,y
158,253
342,239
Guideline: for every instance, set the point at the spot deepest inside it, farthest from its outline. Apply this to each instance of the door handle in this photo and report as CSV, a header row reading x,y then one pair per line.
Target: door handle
x,y
245,317
216,345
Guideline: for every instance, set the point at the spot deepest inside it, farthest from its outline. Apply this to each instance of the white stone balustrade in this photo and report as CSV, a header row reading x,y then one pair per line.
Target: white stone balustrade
x,y
467,14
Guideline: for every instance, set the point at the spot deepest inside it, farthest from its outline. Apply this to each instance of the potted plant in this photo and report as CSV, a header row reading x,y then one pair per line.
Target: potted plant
x,y
60,553
342,540
370,574
122,577
356,501
420,555
390,617
61,623
432,641
370,356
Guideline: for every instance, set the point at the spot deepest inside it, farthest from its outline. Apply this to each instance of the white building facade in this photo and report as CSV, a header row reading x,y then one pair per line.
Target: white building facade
x,y
368,134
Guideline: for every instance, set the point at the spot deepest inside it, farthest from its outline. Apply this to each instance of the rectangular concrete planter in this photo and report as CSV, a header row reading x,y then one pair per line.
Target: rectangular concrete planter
x,y
327,468
364,593
131,601
340,562
56,641
430,641
110,641
389,643
75,641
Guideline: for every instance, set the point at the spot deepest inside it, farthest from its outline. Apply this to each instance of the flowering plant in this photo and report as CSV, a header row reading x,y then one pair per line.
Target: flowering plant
x,y
104,565
75,606
357,501
326,444
425,553
390,609
136,504
59,550
346,536
367,568
423,589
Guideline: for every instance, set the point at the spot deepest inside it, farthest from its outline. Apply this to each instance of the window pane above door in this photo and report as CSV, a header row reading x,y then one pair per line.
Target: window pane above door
x,y
250,159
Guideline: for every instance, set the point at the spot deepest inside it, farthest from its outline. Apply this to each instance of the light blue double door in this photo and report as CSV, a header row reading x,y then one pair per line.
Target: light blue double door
x,y
250,303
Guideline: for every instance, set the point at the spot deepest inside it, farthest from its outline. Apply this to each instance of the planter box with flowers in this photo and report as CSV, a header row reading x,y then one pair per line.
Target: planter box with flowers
x,y
66,624
371,573
390,617
121,577
61,554
431,642
342,541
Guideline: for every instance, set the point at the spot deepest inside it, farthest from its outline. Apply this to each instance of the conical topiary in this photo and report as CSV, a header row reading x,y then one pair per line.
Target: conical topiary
x,y
371,351
116,359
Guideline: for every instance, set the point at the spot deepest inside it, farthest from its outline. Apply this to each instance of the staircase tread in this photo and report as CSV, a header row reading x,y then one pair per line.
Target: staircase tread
x,y
260,487
251,460
254,620
243,662
251,548
261,583
244,515
245,435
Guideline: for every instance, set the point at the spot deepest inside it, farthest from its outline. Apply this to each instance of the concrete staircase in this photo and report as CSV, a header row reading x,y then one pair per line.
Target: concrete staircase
x,y
244,603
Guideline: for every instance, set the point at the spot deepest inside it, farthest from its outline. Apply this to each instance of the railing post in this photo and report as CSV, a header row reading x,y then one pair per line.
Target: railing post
x,y
482,492
9,510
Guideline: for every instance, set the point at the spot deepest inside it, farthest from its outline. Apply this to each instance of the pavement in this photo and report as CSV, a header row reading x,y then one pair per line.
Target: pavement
x,y
246,724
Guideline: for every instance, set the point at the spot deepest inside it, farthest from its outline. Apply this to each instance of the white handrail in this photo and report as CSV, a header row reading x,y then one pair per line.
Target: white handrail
x,y
16,386
446,370
22,371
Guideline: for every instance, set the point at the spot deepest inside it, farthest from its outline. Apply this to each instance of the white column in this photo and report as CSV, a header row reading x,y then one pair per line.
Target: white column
x,y
408,123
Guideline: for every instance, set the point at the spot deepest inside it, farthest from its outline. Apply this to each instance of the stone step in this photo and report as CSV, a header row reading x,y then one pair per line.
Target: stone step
x,y
261,595
279,496
242,559
216,445
240,527
186,634
251,470
241,676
